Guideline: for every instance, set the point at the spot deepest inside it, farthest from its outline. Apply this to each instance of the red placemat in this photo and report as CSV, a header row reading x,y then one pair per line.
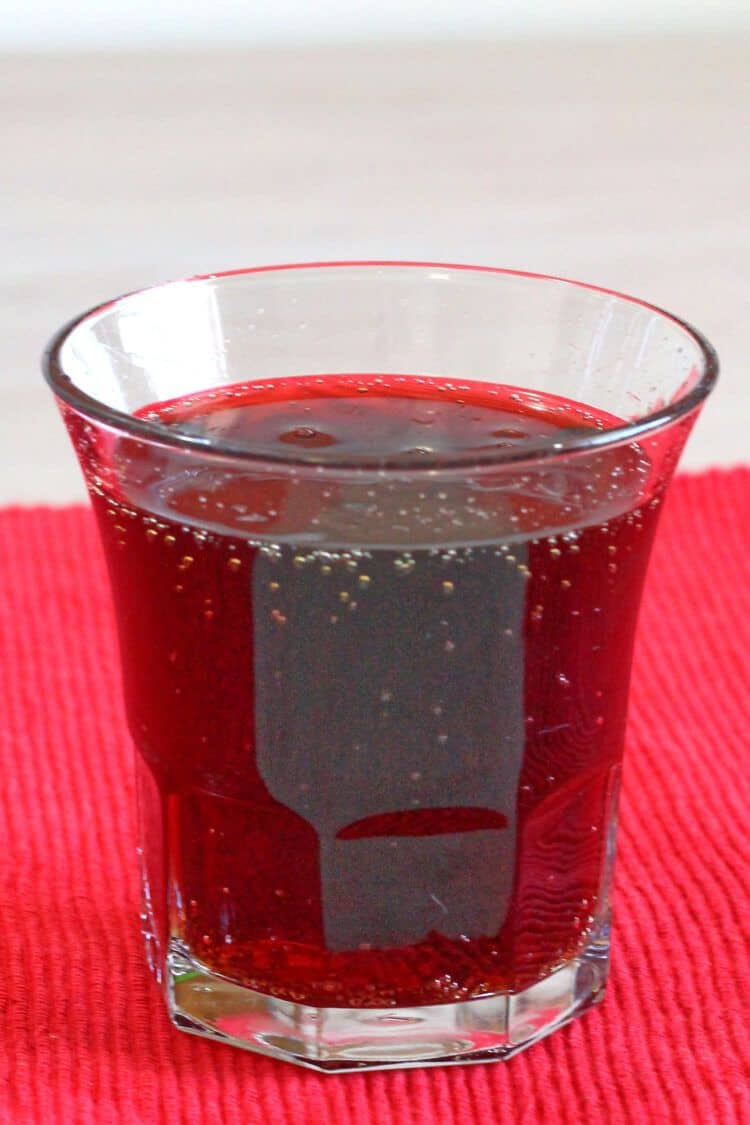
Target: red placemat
x,y
85,1036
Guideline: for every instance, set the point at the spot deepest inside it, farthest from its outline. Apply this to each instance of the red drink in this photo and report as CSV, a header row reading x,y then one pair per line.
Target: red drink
x,y
377,765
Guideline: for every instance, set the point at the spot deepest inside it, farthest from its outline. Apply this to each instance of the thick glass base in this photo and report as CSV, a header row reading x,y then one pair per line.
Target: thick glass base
x,y
485,1029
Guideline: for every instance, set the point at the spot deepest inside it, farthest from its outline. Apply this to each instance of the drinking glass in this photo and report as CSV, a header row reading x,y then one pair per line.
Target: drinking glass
x,y
376,535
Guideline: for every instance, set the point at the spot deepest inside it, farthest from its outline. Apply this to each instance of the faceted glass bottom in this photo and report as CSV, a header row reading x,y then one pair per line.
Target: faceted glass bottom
x,y
484,1029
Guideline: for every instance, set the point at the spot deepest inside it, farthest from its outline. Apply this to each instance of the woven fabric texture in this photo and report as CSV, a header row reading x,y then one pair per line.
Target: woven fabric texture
x,y
86,1037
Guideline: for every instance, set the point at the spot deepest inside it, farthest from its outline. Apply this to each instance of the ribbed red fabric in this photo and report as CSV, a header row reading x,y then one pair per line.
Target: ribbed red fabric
x,y
85,1037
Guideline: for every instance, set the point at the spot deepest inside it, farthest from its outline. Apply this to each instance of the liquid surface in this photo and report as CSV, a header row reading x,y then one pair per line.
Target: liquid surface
x,y
376,774
372,418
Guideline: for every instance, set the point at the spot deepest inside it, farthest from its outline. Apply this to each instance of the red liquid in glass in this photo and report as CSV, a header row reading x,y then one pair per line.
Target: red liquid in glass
x,y
376,775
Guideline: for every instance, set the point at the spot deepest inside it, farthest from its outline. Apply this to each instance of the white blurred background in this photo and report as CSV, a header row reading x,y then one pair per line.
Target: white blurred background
x,y
65,24
142,141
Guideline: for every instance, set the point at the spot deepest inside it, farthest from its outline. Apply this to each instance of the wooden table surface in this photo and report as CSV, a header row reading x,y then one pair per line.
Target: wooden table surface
x,y
623,164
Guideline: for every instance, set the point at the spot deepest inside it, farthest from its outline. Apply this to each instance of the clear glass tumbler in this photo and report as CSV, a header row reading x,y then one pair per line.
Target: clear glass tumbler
x,y
377,534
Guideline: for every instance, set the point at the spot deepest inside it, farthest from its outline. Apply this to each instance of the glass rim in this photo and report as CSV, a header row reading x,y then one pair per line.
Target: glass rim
x,y
573,442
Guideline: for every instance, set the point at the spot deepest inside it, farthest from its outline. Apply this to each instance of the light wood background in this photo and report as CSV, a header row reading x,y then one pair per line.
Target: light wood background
x,y
627,165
